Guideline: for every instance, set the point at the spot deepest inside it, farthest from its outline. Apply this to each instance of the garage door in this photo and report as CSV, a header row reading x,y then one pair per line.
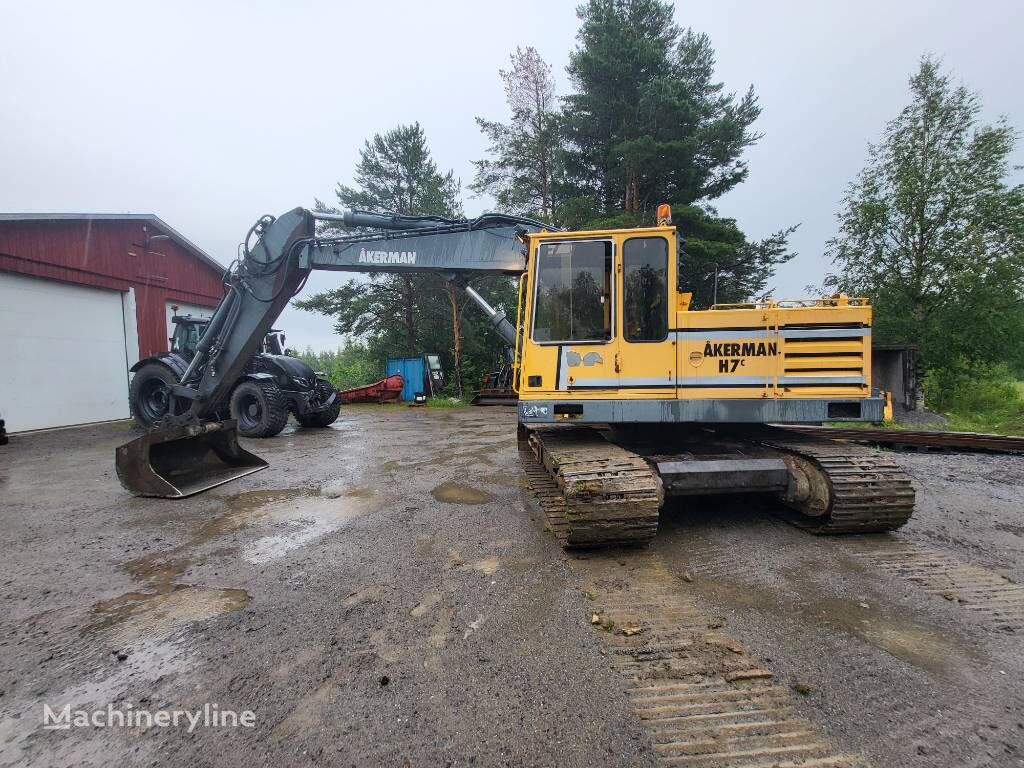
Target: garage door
x,y
62,354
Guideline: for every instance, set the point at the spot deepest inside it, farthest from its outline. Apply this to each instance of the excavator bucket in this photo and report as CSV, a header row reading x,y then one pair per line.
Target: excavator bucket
x,y
178,461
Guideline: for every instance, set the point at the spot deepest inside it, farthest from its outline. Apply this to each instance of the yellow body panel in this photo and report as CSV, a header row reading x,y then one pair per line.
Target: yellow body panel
x,y
784,350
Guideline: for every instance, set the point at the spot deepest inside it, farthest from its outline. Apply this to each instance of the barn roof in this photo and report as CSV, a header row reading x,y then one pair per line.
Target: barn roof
x,y
147,218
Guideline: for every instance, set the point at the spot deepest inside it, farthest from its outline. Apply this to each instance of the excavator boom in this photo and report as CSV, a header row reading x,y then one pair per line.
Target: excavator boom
x,y
190,450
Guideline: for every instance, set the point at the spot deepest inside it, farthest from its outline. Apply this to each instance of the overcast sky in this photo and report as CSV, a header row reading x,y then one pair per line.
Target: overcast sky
x,y
209,114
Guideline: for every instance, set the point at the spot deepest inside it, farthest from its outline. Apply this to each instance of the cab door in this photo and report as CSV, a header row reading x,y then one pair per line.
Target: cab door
x,y
647,352
573,337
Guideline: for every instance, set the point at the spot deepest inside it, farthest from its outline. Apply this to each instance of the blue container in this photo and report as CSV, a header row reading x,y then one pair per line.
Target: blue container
x,y
413,372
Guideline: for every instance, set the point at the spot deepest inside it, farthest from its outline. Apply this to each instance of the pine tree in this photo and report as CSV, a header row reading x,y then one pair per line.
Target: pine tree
x,y
520,173
395,173
647,122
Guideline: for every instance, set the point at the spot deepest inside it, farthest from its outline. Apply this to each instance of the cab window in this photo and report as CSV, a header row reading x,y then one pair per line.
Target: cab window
x,y
645,289
186,338
573,300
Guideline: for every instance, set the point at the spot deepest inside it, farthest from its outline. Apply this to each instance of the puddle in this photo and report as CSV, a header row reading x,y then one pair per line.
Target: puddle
x,y
428,602
161,568
301,518
489,565
245,509
457,493
161,614
146,659
916,644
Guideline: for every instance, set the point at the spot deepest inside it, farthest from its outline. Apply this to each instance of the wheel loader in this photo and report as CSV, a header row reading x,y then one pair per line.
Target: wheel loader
x,y
627,395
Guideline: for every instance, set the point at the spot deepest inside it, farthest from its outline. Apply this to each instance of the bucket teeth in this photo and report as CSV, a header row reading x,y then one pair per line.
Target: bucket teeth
x,y
177,461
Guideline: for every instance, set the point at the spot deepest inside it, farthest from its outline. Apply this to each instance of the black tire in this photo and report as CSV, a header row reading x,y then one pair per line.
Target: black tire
x,y
259,408
321,418
149,394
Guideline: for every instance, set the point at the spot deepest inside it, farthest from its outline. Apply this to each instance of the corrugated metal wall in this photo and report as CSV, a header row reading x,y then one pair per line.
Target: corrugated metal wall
x,y
413,371
110,254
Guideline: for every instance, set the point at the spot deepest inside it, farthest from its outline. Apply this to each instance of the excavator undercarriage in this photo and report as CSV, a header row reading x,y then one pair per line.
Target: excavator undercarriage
x,y
595,492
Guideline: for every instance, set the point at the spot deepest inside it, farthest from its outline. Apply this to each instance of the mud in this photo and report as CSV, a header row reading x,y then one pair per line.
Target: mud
x,y
158,614
458,493
293,593
400,546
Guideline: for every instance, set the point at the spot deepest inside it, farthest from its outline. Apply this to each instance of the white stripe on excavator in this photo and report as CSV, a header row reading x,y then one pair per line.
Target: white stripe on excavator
x,y
693,381
626,382
716,335
825,333
796,333
821,380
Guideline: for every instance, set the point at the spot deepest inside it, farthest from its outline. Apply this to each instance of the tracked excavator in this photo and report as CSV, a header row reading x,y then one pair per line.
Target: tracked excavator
x,y
626,394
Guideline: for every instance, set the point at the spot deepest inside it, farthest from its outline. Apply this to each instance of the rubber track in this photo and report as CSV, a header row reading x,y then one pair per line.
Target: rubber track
x,y
593,493
870,493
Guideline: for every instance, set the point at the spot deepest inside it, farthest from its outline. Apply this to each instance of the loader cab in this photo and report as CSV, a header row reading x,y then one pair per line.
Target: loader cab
x,y
274,342
187,332
597,313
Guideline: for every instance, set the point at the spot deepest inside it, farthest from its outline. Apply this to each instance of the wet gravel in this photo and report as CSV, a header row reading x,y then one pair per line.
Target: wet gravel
x,y
385,594
380,596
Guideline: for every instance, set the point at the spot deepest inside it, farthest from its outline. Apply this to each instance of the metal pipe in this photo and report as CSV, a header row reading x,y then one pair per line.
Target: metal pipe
x,y
499,322
350,218
211,333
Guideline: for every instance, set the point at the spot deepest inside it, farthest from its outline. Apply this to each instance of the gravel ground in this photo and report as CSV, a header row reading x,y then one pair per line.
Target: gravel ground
x,y
380,596
385,594
899,675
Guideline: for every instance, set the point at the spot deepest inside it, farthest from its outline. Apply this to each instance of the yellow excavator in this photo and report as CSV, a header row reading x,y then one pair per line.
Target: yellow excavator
x,y
626,394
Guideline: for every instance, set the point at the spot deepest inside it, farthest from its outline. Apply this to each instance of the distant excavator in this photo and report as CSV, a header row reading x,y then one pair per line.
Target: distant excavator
x,y
626,394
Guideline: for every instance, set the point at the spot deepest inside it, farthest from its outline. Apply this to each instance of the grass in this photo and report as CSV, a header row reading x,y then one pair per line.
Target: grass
x,y
978,399
887,424
989,401
995,424
446,402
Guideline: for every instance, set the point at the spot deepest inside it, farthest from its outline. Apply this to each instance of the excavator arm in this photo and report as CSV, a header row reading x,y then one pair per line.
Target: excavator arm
x,y
190,450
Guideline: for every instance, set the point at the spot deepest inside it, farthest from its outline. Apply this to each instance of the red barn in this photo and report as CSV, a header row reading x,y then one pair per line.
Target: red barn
x,y
82,297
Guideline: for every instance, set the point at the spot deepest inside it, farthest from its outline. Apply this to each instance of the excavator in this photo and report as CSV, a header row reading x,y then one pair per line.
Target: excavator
x,y
627,395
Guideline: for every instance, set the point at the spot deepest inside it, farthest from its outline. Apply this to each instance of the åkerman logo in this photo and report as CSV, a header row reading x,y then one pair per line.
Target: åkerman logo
x,y
746,349
386,257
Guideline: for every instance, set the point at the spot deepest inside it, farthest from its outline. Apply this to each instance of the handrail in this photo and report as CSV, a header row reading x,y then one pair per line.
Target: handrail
x,y
519,334
840,300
